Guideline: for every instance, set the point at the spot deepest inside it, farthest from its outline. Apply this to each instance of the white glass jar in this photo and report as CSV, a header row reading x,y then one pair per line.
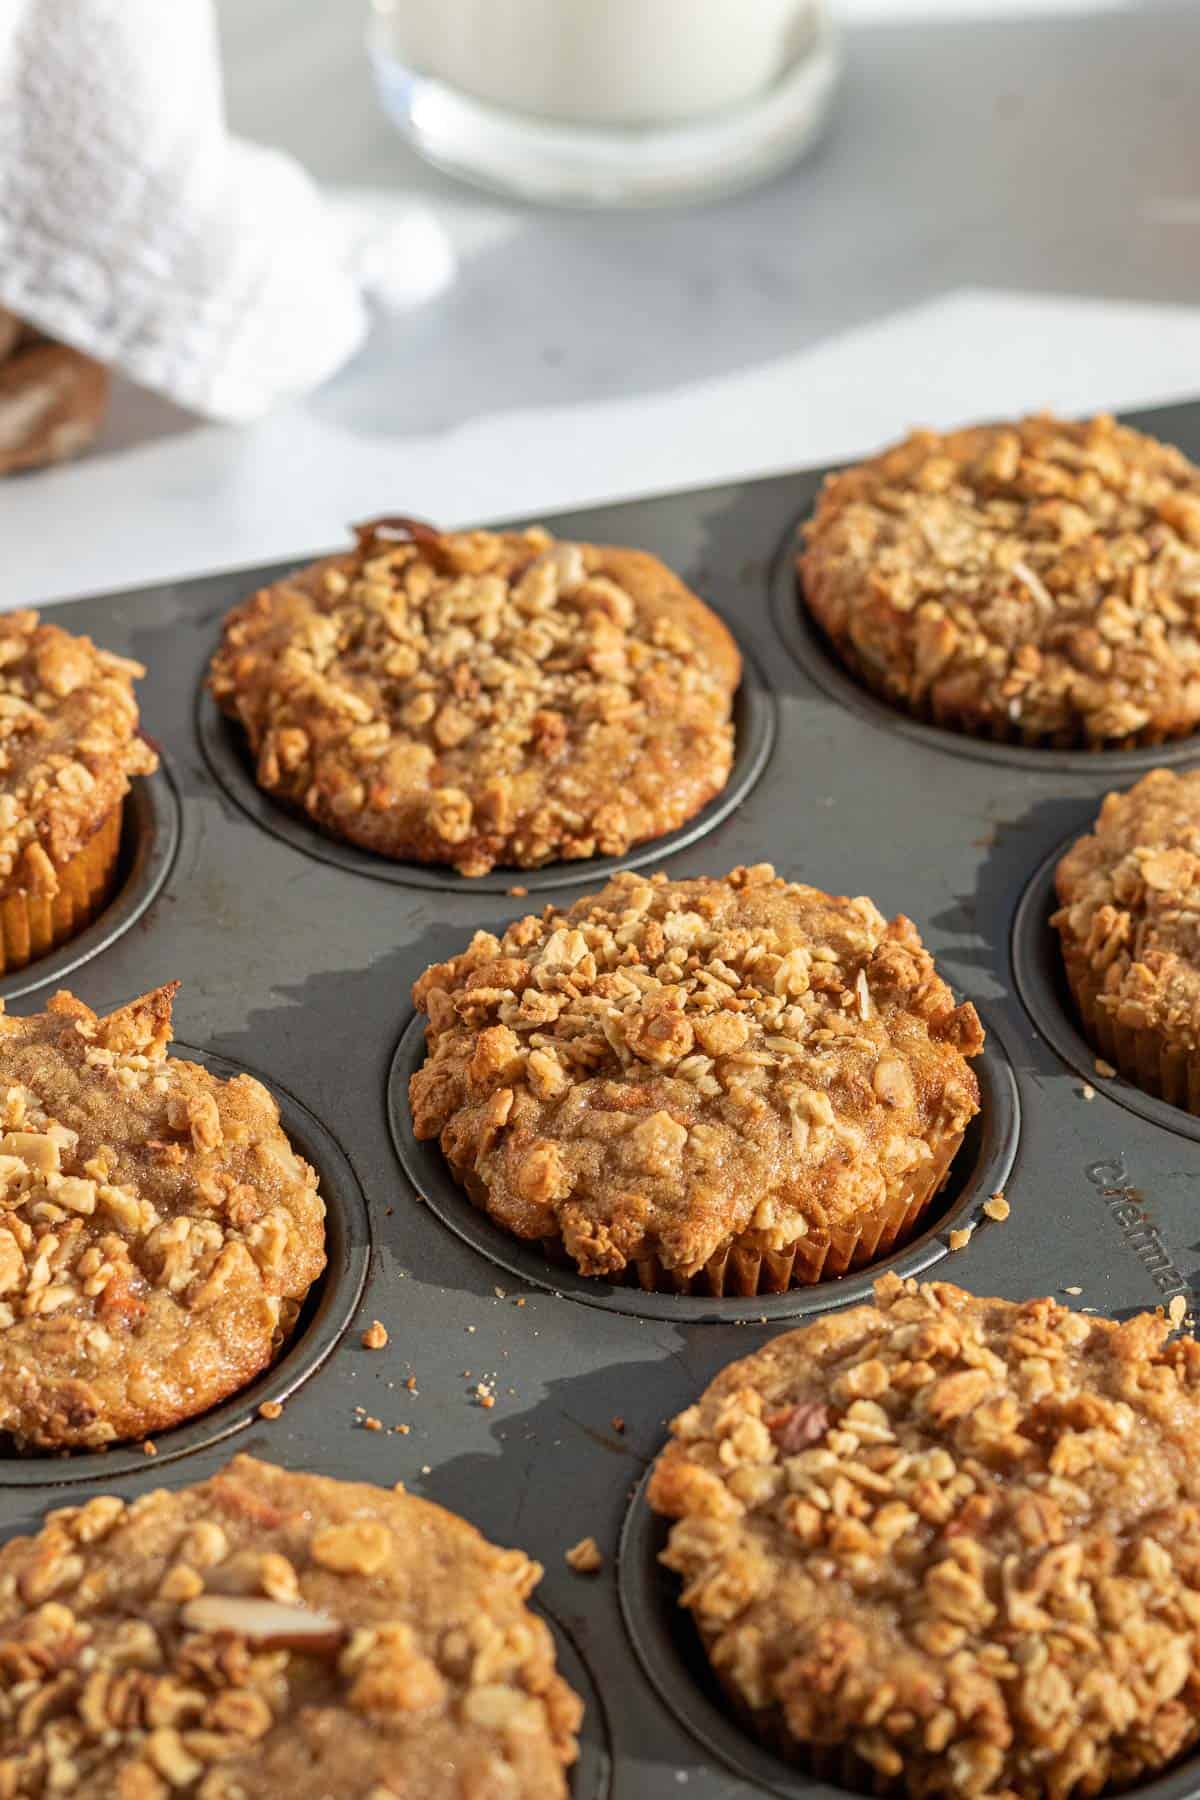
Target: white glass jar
x,y
606,101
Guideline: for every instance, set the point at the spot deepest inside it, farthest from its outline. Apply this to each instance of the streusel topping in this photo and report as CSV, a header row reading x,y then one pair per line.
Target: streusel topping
x,y
482,697
1130,894
670,1063
157,1230
1043,575
68,746
959,1537
280,1635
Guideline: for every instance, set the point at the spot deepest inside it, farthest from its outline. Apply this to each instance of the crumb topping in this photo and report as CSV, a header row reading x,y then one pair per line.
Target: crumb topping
x,y
275,1633
157,1230
672,1063
1042,576
959,1537
482,697
68,746
1130,912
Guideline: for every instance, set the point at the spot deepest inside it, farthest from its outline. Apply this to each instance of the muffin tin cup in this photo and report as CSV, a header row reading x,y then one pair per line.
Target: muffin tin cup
x,y
839,672
147,832
1156,1087
228,755
323,1319
978,1168
591,1773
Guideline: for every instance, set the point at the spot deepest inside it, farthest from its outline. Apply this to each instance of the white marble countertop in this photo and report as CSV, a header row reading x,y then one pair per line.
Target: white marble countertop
x,y
1006,214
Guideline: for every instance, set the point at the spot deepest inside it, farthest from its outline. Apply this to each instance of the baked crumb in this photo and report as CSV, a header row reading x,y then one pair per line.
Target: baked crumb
x,y
961,1237
1104,1069
585,1557
270,1409
375,1336
997,1208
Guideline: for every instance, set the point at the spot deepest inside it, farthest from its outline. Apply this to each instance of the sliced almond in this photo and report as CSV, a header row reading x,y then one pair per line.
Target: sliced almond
x,y
272,1624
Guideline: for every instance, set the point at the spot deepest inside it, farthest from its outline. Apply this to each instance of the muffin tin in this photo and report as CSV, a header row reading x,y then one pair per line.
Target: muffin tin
x,y
297,959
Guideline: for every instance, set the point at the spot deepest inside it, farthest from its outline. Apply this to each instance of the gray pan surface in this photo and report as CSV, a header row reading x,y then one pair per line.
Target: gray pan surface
x,y
297,960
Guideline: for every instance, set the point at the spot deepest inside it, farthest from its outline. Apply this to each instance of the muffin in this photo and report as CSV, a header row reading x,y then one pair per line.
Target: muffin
x,y
69,744
950,1545
159,1233
481,697
280,1635
719,1086
1037,582
1129,924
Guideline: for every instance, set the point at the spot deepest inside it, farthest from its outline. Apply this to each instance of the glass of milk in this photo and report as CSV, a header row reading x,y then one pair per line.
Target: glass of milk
x,y
606,102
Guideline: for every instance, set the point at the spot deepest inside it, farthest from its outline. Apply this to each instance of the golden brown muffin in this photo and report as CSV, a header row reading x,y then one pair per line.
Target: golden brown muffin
x,y
1038,582
477,697
950,1544
159,1233
277,1635
733,1085
69,744
1129,922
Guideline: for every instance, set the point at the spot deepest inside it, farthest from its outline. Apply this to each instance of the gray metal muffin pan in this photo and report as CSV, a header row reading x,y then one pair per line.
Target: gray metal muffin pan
x,y
297,964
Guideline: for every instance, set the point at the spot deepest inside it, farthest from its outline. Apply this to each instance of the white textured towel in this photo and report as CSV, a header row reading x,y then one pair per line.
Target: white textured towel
x,y
134,227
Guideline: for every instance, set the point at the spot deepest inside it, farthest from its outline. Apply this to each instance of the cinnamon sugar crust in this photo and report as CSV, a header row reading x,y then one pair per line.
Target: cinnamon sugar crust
x,y
1037,580
955,1539
159,1233
281,1635
480,697
670,1066
68,746
1129,917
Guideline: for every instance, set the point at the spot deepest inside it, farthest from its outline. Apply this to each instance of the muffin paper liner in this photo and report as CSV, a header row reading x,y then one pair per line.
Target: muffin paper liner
x,y
1143,1054
742,1269
33,924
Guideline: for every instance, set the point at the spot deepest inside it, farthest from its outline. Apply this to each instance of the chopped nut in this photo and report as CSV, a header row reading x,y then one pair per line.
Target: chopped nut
x,y
270,1624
